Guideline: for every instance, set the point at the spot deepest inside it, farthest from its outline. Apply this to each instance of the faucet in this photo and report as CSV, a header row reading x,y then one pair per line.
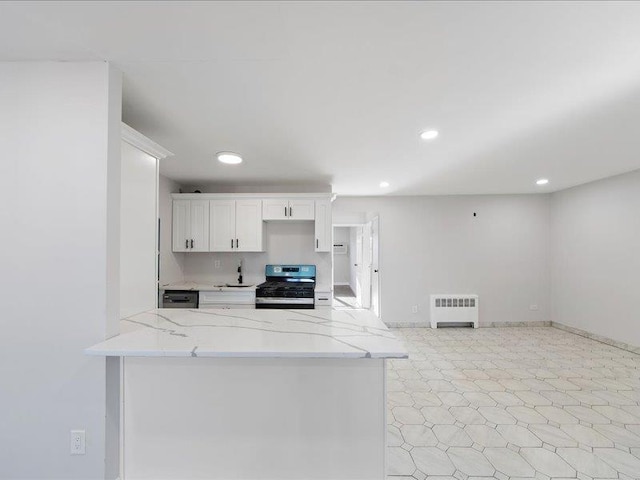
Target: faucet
x,y
240,272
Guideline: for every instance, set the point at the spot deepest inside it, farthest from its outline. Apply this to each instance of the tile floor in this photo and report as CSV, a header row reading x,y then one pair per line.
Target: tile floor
x,y
512,403
344,298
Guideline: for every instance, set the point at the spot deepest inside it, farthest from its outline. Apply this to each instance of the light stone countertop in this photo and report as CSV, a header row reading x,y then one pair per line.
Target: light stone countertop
x,y
209,287
318,333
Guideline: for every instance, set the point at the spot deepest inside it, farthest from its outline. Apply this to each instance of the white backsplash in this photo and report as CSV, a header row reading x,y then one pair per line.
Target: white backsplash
x,y
286,243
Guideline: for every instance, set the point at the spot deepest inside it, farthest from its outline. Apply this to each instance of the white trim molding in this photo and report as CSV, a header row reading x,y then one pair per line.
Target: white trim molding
x,y
138,140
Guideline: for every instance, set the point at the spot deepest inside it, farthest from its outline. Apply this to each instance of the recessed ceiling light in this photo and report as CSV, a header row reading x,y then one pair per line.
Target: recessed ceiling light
x,y
542,181
229,158
384,184
429,134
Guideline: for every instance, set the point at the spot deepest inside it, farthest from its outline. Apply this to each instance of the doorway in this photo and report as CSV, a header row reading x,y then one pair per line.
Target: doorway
x,y
347,261
355,267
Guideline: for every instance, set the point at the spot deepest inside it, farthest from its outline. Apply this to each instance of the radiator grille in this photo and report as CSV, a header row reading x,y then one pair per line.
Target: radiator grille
x,y
454,309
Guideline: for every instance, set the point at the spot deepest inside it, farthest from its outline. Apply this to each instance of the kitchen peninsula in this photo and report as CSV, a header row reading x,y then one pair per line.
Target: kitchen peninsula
x,y
253,394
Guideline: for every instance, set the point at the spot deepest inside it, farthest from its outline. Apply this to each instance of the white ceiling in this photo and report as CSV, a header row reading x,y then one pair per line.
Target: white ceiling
x,y
338,92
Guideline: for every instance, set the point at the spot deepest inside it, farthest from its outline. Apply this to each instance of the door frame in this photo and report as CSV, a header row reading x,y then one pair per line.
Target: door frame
x,y
363,225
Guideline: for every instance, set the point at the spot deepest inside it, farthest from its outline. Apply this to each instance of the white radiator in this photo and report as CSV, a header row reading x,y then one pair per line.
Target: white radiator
x,y
452,308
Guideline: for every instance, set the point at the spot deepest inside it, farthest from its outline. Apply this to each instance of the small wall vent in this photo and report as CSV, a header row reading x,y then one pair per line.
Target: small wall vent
x,y
454,309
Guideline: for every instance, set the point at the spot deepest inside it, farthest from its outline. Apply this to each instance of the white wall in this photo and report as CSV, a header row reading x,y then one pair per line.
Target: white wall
x,y
60,124
595,272
435,245
341,262
286,242
171,264
138,231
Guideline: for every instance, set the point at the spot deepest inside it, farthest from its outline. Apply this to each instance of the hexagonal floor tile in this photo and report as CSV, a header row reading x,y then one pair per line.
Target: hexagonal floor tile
x,y
452,435
470,462
556,414
497,415
547,462
509,462
418,435
622,461
519,436
587,463
408,415
467,415
485,436
437,415
432,461
526,415
553,435
586,436
399,462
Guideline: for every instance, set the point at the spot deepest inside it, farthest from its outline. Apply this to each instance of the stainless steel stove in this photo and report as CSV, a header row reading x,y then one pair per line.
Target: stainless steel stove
x,y
287,286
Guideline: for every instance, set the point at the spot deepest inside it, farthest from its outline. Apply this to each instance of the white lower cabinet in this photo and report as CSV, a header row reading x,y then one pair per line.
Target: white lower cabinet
x,y
323,298
236,226
227,299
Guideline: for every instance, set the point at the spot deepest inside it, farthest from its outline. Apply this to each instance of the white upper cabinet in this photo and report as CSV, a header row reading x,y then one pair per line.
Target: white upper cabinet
x,y
324,227
181,227
222,225
275,209
190,225
288,209
249,226
218,222
236,226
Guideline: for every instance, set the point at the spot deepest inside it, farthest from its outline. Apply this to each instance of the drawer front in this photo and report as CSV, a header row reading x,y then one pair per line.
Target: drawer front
x,y
214,298
324,299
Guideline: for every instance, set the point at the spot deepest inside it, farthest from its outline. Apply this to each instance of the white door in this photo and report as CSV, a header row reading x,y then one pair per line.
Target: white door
x,y
366,267
222,225
249,227
375,261
324,229
181,225
199,240
302,209
275,209
359,265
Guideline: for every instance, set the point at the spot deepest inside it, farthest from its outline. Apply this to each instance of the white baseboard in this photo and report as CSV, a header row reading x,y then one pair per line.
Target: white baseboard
x,y
596,337
341,284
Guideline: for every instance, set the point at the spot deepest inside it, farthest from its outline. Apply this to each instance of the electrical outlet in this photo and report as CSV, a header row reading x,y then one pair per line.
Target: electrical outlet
x,y
533,307
414,309
216,263
77,442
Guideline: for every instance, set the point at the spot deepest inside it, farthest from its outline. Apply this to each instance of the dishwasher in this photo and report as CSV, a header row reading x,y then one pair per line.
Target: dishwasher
x,y
180,299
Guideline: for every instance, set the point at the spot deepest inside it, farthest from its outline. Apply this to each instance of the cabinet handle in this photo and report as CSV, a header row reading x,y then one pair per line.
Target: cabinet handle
x,y
232,243
317,243
236,243
290,212
186,244
192,243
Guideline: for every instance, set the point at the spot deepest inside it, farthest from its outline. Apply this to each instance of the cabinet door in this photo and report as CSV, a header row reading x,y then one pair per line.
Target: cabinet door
x,y
301,209
249,226
324,228
222,225
181,225
275,209
199,226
